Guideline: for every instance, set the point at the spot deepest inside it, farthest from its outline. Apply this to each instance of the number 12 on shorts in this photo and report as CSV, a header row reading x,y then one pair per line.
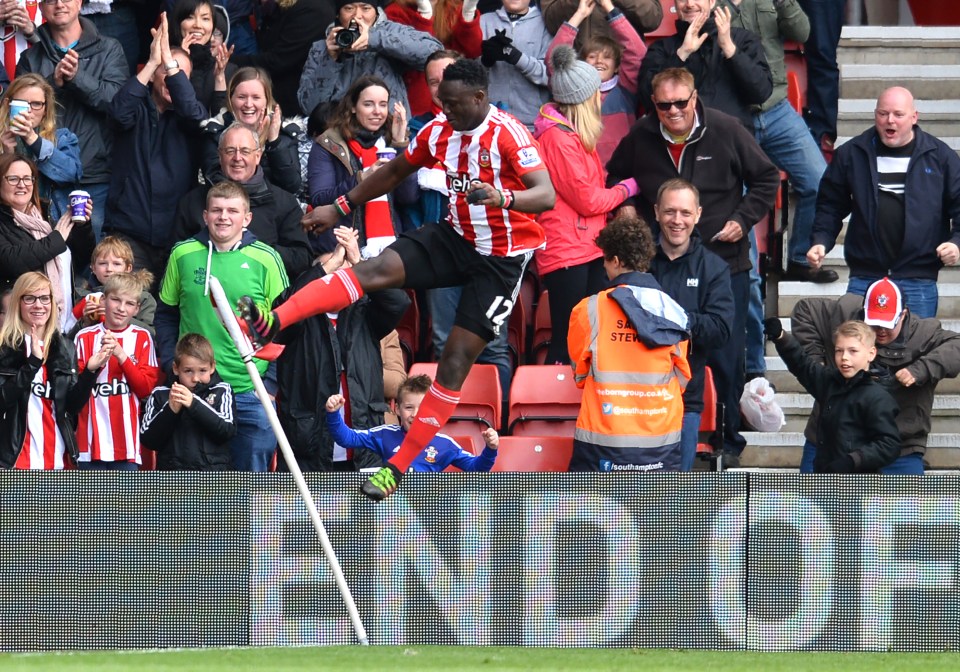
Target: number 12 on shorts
x,y
498,312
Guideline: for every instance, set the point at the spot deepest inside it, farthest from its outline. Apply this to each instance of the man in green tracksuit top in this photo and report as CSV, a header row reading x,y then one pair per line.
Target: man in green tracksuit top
x,y
244,266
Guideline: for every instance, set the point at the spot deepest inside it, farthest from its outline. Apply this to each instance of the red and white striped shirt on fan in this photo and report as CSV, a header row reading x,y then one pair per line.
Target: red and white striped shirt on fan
x,y
499,152
43,445
109,427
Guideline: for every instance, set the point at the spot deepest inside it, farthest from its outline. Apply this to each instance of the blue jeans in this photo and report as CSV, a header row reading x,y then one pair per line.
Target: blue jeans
x,y
783,135
920,296
443,304
823,73
727,364
756,342
98,194
911,464
689,437
255,443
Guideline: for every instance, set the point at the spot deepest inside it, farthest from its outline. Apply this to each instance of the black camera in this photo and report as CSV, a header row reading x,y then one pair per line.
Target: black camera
x,y
346,37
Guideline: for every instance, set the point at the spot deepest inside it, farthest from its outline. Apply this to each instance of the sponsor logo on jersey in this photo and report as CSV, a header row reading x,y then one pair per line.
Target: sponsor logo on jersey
x,y
42,390
529,157
111,389
459,183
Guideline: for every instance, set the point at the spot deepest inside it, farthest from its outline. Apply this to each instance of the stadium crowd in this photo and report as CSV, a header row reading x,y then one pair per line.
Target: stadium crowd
x,y
336,165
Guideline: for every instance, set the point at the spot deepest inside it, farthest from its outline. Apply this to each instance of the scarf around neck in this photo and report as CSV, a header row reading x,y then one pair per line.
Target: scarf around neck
x,y
31,222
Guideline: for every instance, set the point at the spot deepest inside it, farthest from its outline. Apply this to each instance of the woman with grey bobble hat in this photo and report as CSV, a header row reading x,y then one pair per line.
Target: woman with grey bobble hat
x,y
568,129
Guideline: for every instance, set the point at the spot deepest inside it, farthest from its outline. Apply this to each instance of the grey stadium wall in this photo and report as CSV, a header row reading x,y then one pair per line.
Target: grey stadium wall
x,y
97,560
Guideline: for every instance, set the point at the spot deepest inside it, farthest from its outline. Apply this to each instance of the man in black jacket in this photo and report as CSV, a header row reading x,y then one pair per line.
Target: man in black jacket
x,y
276,213
86,70
157,117
728,65
699,281
738,186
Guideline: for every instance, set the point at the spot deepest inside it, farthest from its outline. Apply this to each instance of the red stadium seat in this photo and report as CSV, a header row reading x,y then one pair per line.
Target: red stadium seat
x,y
668,25
542,330
534,453
710,444
544,401
481,400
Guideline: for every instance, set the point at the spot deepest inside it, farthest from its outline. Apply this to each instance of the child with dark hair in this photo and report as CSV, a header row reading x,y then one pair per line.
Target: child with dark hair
x,y
857,428
190,422
385,440
617,60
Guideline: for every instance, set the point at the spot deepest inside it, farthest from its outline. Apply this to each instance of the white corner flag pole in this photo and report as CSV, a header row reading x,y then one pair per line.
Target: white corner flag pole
x,y
229,319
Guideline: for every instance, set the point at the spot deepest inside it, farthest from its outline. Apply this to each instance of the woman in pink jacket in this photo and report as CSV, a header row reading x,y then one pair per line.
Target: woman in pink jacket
x,y
568,129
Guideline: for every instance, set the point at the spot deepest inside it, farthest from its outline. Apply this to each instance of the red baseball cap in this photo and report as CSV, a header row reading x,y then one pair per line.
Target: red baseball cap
x,y
883,304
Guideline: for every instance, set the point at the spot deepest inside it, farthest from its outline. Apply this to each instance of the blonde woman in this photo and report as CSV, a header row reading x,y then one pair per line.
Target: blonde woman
x,y
40,392
33,134
568,129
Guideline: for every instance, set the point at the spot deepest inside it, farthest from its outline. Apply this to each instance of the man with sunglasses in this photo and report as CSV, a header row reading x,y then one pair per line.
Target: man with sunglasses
x,y
738,185
86,70
918,352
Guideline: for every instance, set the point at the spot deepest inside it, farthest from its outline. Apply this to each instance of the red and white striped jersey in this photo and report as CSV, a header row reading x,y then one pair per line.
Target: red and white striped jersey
x,y
43,446
498,152
14,40
109,426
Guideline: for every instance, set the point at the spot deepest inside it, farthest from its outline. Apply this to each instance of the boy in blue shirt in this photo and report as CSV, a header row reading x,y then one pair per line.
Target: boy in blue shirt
x,y
385,440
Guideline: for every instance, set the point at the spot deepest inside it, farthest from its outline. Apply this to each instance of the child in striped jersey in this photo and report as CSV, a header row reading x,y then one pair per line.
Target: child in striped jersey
x,y
190,422
123,355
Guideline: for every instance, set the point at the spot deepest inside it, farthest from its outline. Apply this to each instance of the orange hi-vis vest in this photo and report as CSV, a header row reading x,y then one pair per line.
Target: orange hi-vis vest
x,y
632,408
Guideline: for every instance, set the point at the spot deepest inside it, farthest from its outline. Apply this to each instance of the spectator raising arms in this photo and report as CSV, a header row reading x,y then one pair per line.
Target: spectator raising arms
x,y
568,130
618,60
34,134
29,243
452,22
515,42
193,24
250,102
644,15
39,387
361,138
371,45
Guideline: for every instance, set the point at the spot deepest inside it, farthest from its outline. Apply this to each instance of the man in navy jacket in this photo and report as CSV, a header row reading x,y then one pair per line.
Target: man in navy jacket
x,y
901,188
156,114
699,281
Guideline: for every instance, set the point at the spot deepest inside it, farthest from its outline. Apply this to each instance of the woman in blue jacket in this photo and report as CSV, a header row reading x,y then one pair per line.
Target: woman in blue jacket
x,y
33,134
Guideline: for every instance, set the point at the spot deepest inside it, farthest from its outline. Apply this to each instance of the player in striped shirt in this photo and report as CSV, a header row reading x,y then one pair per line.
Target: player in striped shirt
x,y
496,183
122,354
39,390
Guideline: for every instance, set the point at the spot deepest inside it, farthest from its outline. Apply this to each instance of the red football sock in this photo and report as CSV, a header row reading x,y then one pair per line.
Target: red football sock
x,y
329,294
437,407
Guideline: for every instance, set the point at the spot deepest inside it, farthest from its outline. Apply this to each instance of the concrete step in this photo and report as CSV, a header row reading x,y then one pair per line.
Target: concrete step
x,y
898,45
944,419
937,117
783,450
924,81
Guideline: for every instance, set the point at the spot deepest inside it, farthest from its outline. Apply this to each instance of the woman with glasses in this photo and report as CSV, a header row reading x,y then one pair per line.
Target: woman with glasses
x,y
569,129
34,134
40,392
29,243
361,137
250,102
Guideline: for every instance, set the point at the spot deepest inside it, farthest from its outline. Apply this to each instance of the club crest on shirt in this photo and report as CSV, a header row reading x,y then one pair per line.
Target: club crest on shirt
x,y
211,398
528,157
430,454
483,158
200,276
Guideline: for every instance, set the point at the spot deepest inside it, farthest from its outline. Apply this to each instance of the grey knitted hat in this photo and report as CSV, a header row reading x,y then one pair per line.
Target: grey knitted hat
x,y
573,81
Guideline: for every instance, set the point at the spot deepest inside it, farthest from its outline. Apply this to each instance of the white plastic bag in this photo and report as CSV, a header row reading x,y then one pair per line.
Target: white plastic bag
x,y
759,406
